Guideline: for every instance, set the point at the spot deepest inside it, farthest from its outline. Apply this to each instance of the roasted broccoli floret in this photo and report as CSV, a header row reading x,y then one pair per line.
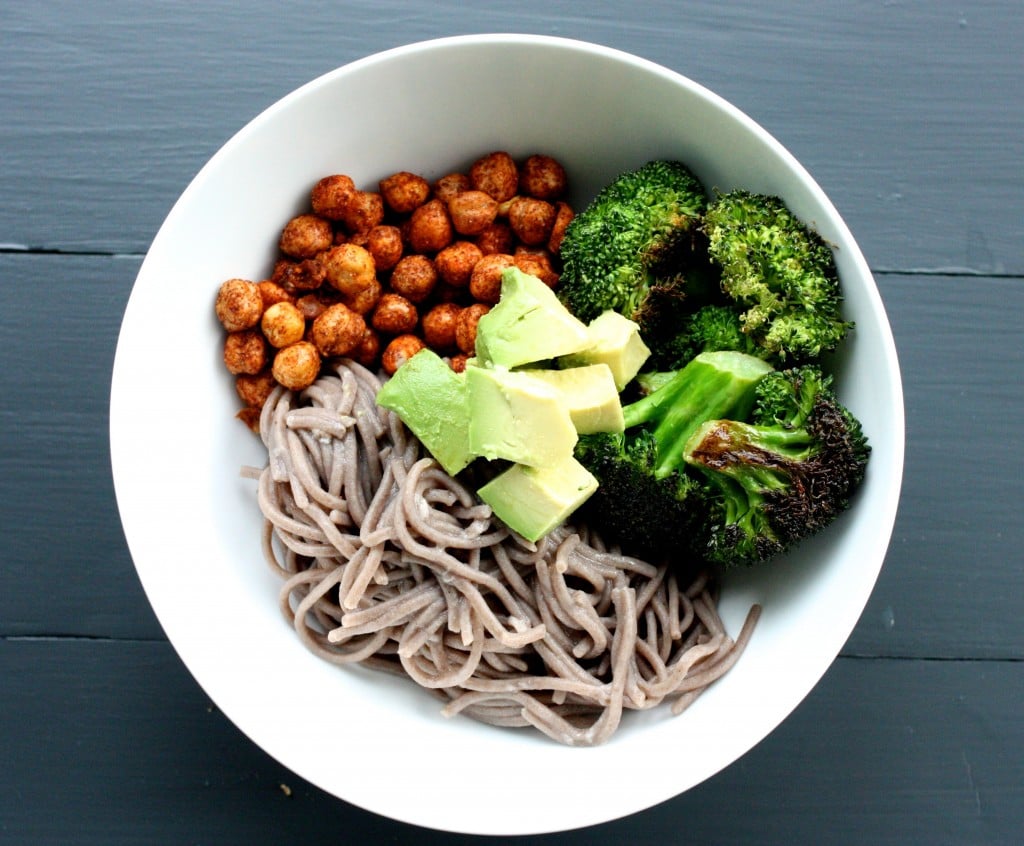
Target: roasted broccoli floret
x,y
646,499
632,244
784,475
778,273
711,328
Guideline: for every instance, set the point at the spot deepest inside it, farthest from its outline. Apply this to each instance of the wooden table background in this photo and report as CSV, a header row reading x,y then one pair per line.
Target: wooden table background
x,y
911,117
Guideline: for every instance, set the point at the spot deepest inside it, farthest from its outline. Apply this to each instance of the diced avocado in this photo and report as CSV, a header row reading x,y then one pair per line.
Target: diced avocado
x,y
527,325
590,394
534,500
517,417
433,401
614,340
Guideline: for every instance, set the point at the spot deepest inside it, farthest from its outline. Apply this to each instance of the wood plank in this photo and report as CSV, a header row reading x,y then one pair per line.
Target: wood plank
x,y
952,587
110,742
910,115
953,581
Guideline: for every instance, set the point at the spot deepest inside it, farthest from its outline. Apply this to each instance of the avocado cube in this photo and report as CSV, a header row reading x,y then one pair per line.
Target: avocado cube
x,y
614,340
590,394
528,324
534,500
433,401
517,417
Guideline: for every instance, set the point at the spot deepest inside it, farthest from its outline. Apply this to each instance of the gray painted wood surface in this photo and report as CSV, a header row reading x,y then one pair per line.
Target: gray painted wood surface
x,y
910,115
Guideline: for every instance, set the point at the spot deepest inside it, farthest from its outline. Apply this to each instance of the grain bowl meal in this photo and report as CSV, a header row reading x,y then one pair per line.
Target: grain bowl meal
x,y
510,447
549,373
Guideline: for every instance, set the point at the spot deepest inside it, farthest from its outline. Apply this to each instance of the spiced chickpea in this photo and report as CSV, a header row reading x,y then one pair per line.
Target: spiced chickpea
x,y
271,293
348,268
472,211
338,330
250,416
282,324
496,238
536,263
563,217
458,362
368,351
430,228
253,389
414,277
238,305
297,366
451,184
362,211
245,352
485,281
394,315
331,195
384,243
311,306
531,220
399,351
465,326
293,276
404,191
306,235
495,174
455,263
542,177
438,326
363,302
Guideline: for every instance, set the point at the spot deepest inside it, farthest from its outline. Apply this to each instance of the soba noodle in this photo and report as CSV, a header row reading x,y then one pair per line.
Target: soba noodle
x,y
390,562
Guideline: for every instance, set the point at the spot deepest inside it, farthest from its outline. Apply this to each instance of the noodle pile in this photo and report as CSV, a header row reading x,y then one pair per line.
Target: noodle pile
x,y
390,562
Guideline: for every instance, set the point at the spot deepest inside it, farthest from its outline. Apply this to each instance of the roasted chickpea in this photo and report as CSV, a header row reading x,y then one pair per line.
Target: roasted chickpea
x,y
536,263
368,351
399,351
363,302
430,228
414,277
311,306
404,191
245,352
238,305
297,366
384,243
394,315
250,416
338,330
295,276
496,238
439,326
542,177
531,220
465,326
283,324
485,281
563,216
306,235
448,186
331,195
348,268
363,211
495,174
458,362
253,389
272,293
455,263
472,212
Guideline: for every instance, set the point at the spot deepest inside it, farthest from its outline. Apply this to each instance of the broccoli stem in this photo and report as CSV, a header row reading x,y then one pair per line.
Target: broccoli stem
x,y
712,386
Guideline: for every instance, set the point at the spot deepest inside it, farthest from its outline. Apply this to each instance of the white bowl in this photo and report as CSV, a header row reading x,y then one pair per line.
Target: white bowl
x,y
193,526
